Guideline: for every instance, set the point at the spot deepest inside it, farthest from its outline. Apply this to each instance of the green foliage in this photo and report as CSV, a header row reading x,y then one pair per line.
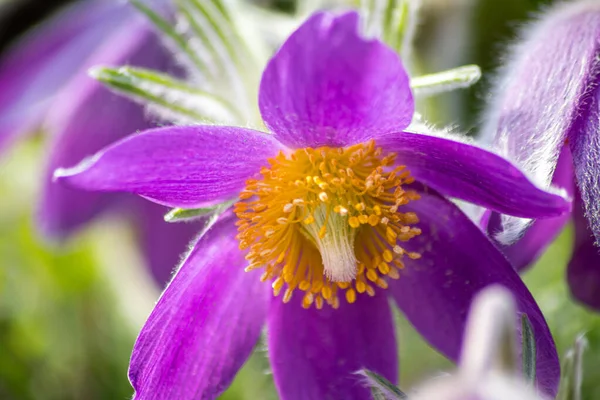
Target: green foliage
x,y
446,81
381,387
166,93
222,60
391,20
62,335
168,30
186,214
529,349
572,371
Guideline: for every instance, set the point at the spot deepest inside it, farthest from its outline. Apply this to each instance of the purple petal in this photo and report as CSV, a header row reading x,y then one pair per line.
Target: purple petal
x,y
546,92
585,146
44,60
473,174
545,85
583,272
315,353
85,117
458,261
204,326
584,142
163,244
542,232
529,248
329,86
178,166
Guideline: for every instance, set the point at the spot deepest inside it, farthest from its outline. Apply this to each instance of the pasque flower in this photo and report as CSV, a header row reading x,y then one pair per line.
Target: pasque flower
x,y
44,84
544,116
338,208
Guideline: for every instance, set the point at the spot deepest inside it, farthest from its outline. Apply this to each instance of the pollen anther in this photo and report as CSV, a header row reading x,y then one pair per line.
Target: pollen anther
x,y
328,222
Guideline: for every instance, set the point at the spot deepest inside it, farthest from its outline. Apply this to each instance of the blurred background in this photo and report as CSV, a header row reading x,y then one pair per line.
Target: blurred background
x,y
70,310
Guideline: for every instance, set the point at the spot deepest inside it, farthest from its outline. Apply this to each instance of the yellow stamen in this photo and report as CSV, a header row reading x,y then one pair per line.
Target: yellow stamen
x,y
350,296
328,222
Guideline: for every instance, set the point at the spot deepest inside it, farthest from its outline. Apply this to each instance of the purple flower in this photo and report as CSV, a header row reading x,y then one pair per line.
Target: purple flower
x,y
544,116
44,83
339,208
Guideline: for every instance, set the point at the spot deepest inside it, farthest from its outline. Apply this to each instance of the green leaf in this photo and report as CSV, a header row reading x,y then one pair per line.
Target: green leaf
x,y
227,38
202,31
382,387
167,29
393,21
167,94
186,214
565,392
572,371
211,21
529,349
396,23
446,81
377,394
212,30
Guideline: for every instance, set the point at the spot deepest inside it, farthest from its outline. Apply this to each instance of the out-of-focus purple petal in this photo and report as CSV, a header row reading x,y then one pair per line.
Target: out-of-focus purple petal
x,y
204,326
329,86
545,93
473,174
39,64
85,117
178,166
315,353
584,143
435,291
542,232
163,244
539,99
583,272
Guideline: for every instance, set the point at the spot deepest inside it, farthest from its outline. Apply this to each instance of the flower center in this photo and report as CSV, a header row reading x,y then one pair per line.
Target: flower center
x,y
325,221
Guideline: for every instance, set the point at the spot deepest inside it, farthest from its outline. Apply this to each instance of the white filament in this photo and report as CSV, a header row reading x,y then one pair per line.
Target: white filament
x,y
336,246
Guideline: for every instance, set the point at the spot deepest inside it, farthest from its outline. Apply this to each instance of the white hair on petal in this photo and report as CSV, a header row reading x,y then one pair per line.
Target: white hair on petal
x,y
539,93
513,227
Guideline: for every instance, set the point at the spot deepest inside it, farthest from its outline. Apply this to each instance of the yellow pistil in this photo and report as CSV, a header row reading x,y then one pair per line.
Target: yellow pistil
x,y
328,220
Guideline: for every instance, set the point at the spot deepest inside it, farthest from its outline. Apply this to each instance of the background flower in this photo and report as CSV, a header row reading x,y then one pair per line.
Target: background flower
x,y
52,91
489,368
544,117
